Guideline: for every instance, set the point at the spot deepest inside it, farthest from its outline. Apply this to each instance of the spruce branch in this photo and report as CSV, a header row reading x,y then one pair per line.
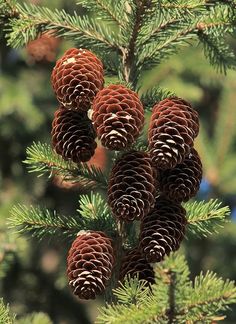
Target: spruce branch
x,y
39,222
154,95
5,316
95,214
129,53
132,291
166,35
107,10
42,159
205,218
209,296
32,20
174,298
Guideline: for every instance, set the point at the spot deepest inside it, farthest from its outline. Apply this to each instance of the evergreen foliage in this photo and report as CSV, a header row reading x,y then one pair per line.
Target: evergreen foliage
x,y
93,214
205,218
42,159
5,316
134,36
174,298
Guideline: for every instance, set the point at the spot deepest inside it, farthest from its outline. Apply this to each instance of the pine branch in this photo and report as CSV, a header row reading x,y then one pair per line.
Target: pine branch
x,y
189,302
33,19
96,214
93,214
129,53
154,95
40,222
5,316
42,159
107,10
181,6
166,35
132,291
209,296
217,52
205,218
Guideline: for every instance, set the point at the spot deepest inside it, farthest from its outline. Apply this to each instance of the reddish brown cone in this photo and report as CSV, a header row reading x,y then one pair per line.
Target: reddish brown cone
x,y
73,136
131,187
183,181
135,265
162,230
89,264
118,117
43,48
174,125
76,78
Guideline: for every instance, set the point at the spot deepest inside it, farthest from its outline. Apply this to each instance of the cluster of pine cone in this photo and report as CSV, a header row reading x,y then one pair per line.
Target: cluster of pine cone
x,y
144,186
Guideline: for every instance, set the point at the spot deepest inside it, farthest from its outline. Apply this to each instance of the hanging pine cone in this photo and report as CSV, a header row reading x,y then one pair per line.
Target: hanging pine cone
x,y
162,230
131,187
135,265
182,182
76,78
73,136
174,125
118,117
89,264
43,48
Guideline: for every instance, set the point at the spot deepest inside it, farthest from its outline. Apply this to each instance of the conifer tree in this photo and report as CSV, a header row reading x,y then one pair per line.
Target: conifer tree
x,y
153,175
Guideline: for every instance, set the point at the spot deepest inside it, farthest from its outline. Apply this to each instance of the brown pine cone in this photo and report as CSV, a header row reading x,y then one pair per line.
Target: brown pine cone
x,y
162,230
118,117
132,186
73,136
182,182
89,264
173,127
76,78
135,265
43,48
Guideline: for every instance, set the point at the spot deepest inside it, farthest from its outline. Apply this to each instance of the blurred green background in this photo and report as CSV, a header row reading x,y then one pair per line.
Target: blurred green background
x,y
32,273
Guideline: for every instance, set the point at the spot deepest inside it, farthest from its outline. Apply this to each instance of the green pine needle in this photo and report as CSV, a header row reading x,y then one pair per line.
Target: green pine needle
x,y
5,316
39,222
96,214
205,218
43,160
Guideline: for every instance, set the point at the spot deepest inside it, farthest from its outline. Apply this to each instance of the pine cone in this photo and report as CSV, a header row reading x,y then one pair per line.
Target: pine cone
x,y
174,125
118,117
131,187
135,265
89,264
162,230
73,136
182,182
76,79
43,48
